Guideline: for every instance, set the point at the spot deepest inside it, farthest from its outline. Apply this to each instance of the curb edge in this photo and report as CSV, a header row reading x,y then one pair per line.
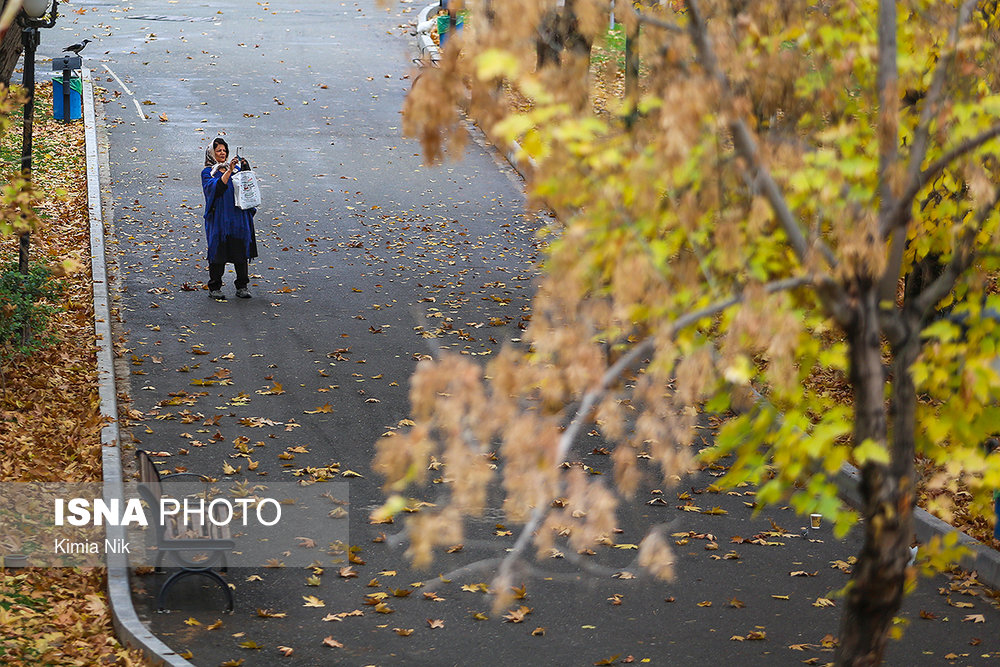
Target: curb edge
x,y
983,559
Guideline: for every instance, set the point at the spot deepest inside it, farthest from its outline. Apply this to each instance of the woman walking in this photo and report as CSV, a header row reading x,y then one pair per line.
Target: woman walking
x,y
230,232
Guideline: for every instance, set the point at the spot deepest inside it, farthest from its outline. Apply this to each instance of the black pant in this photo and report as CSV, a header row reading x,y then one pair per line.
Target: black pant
x,y
216,271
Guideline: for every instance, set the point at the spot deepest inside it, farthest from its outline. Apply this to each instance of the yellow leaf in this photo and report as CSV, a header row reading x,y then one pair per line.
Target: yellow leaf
x,y
312,601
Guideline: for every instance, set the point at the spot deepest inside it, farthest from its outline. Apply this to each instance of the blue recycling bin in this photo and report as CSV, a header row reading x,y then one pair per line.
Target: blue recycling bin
x,y
75,98
443,22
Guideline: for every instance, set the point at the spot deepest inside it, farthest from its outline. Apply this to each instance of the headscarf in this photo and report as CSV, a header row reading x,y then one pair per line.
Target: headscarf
x,y
210,160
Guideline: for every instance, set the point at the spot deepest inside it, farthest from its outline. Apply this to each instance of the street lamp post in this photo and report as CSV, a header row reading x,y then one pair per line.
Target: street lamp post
x,y
32,17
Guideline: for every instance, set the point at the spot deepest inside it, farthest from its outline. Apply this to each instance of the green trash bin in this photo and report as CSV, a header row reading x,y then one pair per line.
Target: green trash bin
x,y
75,98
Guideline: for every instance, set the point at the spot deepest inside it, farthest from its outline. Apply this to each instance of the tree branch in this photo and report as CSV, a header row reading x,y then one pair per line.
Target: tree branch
x,y
611,376
887,87
759,175
642,17
476,566
566,440
894,220
921,139
900,216
961,259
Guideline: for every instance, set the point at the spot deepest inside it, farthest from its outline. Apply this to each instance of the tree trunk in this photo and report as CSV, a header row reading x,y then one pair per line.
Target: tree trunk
x,y
562,46
876,589
10,49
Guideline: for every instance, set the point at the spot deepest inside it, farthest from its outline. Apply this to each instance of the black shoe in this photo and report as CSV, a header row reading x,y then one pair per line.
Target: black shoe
x,y
243,293
217,294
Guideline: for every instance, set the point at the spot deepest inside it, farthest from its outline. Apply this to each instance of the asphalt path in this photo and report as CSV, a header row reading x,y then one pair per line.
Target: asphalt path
x,y
369,261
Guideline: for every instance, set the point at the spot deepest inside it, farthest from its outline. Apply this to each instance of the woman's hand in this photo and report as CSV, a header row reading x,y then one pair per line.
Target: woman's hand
x,y
230,167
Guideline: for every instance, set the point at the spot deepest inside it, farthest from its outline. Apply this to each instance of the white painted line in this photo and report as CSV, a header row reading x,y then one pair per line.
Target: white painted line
x,y
120,82
139,109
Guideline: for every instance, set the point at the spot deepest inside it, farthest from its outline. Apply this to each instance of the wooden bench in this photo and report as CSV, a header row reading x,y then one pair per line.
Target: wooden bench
x,y
196,547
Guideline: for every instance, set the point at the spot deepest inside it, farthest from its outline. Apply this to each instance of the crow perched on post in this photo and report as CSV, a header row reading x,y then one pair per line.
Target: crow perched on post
x,y
76,48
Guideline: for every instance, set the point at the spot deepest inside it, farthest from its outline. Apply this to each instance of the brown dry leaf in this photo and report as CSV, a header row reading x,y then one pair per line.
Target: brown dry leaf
x,y
435,622
331,642
286,651
403,632
975,618
538,632
517,615
312,601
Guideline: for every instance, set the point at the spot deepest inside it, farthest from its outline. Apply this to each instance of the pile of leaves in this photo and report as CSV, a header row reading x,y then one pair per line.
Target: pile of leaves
x,y
50,418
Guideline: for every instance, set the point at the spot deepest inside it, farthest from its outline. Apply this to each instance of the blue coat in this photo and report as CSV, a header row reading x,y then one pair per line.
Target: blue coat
x,y
230,232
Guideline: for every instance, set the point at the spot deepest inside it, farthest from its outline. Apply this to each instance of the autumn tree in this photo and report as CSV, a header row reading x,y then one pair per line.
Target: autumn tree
x,y
805,197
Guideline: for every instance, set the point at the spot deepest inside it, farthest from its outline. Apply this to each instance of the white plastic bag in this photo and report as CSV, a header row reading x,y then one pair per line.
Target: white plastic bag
x,y
247,191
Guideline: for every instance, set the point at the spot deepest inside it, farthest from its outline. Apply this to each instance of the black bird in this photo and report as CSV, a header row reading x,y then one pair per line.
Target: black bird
x,y
76,48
